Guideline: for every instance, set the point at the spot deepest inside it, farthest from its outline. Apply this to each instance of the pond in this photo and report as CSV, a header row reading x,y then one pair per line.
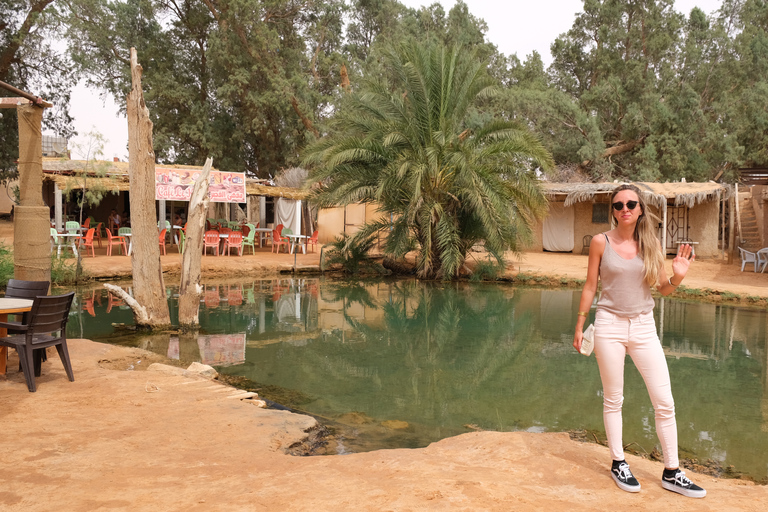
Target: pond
x,y
403,364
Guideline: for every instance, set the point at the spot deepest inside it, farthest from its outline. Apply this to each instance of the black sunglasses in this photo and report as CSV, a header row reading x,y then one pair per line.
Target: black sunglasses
x,y
618,205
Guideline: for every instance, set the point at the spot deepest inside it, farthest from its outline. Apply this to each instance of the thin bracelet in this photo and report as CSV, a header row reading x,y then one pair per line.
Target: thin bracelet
x,y
585,314
672,285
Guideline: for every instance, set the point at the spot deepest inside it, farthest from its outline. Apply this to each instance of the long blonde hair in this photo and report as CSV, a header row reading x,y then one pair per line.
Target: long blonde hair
x,y
645,236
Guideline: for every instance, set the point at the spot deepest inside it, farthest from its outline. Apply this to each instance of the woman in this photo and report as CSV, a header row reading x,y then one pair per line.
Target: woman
x,y
628,260
114,221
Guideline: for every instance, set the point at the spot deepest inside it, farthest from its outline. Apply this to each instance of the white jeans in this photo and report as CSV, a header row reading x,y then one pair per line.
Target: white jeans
x,y
616,336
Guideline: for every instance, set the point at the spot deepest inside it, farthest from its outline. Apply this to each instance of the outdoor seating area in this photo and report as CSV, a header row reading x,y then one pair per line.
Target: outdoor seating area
x,y
41,322
758,259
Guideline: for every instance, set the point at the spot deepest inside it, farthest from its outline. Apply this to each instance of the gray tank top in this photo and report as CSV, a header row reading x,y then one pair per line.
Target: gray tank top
x,y
624,292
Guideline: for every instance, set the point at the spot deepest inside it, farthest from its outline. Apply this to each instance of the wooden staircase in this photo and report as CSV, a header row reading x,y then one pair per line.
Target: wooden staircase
x,y
750,235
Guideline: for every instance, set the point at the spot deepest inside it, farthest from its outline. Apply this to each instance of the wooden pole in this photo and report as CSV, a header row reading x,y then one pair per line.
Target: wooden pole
x,y
732,229
190,291
148,284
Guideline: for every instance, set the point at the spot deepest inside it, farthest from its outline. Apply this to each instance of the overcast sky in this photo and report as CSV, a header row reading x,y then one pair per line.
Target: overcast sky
x,y
514,26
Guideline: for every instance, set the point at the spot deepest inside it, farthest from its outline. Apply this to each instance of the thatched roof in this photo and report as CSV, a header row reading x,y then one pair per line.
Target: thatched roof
x,y
656,194
62,173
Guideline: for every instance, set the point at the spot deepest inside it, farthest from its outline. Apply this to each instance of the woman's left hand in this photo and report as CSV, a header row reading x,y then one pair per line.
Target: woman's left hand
x,y
683,260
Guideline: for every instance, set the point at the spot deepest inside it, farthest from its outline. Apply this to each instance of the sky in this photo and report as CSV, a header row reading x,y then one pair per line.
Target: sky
x,y
514,26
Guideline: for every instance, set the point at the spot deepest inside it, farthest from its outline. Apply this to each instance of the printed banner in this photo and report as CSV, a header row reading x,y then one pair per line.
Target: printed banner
x,y
215,350
177,184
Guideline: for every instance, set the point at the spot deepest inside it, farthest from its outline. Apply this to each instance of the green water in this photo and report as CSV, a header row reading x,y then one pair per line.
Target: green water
x,y
403,364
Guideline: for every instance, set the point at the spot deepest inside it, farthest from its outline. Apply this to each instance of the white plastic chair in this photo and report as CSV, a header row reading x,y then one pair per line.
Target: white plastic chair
x,y
747,257
762,259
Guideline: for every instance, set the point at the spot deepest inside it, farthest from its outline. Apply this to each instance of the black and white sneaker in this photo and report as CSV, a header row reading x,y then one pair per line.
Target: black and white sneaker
x,y
623,477
676,481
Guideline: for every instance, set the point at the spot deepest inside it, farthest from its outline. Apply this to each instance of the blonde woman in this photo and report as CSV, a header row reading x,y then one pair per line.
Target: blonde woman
x,y
628,260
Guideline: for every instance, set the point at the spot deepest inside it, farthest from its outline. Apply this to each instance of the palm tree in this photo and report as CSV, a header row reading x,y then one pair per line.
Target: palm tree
x,y
443,182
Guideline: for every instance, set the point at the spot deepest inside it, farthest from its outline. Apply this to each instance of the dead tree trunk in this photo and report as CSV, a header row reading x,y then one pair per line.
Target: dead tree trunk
x,y
148,285
190,291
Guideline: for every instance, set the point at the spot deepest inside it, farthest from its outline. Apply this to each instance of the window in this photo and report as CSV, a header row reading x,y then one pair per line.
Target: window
x,y
600,213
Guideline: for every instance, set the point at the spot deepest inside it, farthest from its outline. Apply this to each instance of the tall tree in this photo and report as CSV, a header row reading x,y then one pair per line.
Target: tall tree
x,y
443,183
29,62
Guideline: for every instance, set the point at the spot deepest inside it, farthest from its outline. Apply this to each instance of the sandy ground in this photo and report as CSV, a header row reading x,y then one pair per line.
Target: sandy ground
x,y
122,438
142,440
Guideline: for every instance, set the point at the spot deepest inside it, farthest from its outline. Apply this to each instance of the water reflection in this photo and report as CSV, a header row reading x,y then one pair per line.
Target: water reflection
x,y
410,363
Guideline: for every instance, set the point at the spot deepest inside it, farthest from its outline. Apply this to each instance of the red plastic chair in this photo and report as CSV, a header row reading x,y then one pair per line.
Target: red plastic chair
x,y
97,234
235,240
119,241
211,239
88,241
162,240
277,241
313,239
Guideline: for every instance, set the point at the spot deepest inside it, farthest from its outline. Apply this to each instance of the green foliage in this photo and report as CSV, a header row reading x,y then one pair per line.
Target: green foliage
x,y
89,192
31,61
487,271
640,91
351,253
407,143
62,272
6,264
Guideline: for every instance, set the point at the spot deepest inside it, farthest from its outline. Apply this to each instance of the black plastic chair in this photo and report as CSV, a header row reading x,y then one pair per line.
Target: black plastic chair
x,y
49,315
19,289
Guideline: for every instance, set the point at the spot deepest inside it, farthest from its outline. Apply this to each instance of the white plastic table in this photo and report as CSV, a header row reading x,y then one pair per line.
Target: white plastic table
x,y
298,239
74,241
262,232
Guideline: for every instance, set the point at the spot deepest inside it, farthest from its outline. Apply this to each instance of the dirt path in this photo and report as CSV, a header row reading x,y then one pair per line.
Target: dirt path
x,y
139,440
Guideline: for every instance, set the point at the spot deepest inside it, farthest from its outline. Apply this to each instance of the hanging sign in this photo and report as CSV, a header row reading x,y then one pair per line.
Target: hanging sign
x,y
177,184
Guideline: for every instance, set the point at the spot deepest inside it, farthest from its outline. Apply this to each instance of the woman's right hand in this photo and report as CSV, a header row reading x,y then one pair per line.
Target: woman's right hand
x,y
577,339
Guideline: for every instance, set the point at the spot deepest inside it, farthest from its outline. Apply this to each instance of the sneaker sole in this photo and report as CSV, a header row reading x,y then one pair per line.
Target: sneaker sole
x,y
623,486
685,492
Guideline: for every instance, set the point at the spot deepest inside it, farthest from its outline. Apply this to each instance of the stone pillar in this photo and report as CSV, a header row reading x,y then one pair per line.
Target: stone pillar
x,y
31,219
263,211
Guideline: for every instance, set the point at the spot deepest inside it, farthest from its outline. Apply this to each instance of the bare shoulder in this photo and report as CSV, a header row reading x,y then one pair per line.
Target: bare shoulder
x,y
598,241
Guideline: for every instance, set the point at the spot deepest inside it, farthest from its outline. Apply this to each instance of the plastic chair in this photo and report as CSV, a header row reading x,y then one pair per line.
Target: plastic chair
x,y
585,244
49,315
313,240
234,240
97,233
72,227
88,241
182,241
57,242
211,239
747,257
19,289
161,240
87,223
762,259
277,241
249,236
117,240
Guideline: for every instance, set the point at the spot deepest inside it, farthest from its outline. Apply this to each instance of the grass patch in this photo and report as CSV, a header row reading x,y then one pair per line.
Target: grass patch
x,y
487,271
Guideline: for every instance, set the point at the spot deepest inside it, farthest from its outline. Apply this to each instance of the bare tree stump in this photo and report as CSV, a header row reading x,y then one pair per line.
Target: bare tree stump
x,y
148,284
190,290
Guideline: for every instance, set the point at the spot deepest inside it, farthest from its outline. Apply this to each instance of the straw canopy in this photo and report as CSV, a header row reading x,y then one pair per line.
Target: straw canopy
x,y
64,174
656,194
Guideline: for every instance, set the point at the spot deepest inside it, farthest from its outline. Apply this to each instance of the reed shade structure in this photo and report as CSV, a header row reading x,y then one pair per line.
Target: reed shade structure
x,y
63,174
658,195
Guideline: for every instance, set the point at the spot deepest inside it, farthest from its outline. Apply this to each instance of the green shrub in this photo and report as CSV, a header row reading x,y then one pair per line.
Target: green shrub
x,y
62,273
487,271
351,253
6,264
